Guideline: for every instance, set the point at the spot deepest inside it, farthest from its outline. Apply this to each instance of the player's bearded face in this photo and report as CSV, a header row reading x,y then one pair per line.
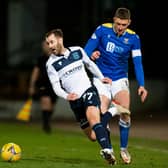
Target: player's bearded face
x,y
55,44
120,25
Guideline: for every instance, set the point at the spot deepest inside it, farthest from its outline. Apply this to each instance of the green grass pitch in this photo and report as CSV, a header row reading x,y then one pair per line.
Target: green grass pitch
x,y
67,148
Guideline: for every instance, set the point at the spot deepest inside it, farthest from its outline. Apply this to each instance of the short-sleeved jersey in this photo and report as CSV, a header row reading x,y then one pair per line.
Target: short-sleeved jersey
x,y
115,51
67,72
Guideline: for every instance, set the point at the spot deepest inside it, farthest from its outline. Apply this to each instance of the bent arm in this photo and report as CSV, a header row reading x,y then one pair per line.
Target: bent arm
x,y
91,66
93,42
55,81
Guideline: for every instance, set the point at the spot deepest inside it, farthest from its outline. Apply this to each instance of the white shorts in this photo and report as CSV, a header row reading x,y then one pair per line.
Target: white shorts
x,y
118,85
111,90
103,89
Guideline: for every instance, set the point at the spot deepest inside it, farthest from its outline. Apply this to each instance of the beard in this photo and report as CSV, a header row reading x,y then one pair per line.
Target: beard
x,y
58,49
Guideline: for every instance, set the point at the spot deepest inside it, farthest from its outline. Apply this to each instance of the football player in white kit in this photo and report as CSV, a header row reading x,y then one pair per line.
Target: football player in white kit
x,y
69,79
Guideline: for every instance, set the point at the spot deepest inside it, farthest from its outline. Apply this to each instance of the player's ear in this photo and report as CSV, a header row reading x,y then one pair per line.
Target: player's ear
x,y
60,40
129,22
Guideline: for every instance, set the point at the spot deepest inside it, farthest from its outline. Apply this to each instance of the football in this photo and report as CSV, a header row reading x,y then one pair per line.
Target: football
x,y
11,152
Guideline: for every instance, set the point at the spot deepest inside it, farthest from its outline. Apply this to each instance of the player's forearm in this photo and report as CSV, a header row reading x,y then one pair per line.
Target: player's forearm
x,y
34,77
59,91
139,71
95,70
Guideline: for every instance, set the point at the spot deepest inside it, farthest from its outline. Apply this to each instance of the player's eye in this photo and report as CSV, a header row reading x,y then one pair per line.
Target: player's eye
x,y
124,24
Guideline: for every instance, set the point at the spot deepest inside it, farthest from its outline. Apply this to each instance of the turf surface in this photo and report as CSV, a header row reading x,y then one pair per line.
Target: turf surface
x,y
68,148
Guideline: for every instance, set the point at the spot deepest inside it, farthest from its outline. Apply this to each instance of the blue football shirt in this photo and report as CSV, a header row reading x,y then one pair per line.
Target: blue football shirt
x,y
115,52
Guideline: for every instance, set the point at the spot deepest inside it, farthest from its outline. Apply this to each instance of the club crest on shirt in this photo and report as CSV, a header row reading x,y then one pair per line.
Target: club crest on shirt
x,y
125,40
75,55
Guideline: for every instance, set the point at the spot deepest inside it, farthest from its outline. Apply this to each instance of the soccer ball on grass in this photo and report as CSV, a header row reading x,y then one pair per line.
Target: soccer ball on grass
x,y
11,152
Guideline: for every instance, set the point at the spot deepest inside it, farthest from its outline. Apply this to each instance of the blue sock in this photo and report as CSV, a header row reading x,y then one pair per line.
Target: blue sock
x,y
105,118
101,135
124,133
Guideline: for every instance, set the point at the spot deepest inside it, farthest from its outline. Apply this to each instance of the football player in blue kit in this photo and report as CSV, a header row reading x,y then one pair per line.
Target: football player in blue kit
x,y
110,46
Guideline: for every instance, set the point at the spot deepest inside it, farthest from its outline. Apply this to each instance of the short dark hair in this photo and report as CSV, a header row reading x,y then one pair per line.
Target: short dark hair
x,y
123,13
56,32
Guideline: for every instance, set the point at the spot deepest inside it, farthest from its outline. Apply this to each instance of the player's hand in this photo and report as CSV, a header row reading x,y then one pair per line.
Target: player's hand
x,y
95,55
72,96
142,92
107,80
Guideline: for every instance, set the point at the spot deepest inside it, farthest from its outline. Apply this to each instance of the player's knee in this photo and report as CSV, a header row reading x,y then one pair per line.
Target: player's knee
x,y
125,123
125,117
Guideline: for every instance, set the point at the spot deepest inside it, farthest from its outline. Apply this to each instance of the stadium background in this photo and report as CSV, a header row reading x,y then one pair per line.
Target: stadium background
x,y
24,23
